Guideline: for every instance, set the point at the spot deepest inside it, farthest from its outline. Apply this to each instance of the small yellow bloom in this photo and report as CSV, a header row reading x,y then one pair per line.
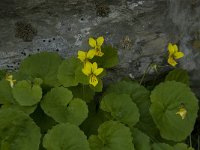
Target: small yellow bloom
x,y
182,112
10,79
96,44
84,56
174,54
92,71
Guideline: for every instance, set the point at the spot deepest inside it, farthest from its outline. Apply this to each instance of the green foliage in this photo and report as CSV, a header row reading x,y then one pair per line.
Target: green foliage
x,y
140,140
67,72
52,96
166,100
65,137
18,131
178,75
121,108
60,105
141,97
26,93
5,93
163,146
109,59
42,65
112,135
83,91
94,120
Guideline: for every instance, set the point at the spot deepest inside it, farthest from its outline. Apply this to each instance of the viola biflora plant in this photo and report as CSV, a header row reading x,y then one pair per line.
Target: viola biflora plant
x,y
60,104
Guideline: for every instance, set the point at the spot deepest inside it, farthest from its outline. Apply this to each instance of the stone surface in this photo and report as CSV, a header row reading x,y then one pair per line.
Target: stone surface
x,y
139,29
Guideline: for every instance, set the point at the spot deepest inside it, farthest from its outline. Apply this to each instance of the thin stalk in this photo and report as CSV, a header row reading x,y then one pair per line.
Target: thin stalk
x,y
145,72
190,140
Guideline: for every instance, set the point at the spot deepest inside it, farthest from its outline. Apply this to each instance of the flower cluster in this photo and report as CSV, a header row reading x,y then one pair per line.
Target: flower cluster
x,y
91,69
174,54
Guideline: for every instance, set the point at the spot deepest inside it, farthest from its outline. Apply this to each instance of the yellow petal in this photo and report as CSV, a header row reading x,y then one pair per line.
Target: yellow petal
x,y
182,112
170,48
100,40
98,71
171,61
93,80
178,55
92,42
175,47
82,55
94,66
87,69
91,53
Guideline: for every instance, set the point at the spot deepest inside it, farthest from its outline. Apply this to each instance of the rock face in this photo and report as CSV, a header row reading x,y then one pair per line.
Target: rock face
x,y
139,29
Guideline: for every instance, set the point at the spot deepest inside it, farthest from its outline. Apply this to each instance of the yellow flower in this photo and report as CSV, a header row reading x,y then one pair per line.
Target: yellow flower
x,y
96,44
182,112
84,56
92,71
10,79
174,54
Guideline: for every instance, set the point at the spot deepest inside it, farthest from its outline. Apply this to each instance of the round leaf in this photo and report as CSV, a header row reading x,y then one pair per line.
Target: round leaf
x,y
67,72
112,135
65,137
18,131
140,140
161,146
43,65
27,94
182,146
5,93
83,92
167,98
178,75
59,105
120,107
141,97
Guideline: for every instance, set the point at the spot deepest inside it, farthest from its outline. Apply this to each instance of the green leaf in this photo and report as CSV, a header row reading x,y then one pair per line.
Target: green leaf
x,y
80,77
178,75
26,109
8,101
65,137
67,70
121,108
83,92
161,146
109,59
18,131
182,146
112,135
167,98
5,93
27,94
59,105
43,65
140,140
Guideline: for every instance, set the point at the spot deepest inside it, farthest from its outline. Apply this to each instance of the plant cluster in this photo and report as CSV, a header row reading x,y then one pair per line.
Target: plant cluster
x,y
60,104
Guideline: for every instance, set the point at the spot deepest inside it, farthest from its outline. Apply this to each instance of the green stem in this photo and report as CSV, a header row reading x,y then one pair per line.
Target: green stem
x,y
190,140
145,72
